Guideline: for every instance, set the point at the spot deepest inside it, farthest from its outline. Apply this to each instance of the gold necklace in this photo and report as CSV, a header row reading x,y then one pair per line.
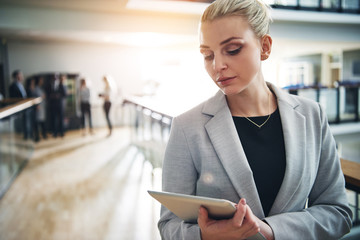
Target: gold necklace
x,y
259,126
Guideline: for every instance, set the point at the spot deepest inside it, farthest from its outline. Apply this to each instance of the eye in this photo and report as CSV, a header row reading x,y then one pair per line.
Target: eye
x,y
234,51
208,55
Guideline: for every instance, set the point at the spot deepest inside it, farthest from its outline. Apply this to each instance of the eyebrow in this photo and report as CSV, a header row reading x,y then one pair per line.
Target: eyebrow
x,y
223,42
228,40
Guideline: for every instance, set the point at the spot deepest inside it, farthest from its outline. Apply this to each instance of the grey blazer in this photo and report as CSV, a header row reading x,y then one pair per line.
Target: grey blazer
x,y
204,156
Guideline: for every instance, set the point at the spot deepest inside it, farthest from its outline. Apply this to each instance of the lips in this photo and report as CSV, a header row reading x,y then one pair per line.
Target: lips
x,y
224,80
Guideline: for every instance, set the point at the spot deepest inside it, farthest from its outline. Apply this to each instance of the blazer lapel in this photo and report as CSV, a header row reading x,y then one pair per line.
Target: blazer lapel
x,y
293,124
230,151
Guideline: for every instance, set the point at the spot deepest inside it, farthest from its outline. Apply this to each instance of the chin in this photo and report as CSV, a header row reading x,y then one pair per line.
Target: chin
x,y
230,91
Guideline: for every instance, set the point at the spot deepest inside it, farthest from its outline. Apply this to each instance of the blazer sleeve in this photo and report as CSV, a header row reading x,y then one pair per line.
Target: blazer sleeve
x,y
180,176
328,215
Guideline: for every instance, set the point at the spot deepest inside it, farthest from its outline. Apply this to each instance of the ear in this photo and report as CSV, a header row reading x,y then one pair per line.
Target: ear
x,y
266,44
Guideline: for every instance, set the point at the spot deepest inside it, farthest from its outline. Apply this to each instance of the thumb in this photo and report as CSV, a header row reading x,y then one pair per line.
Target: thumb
x,y
203,216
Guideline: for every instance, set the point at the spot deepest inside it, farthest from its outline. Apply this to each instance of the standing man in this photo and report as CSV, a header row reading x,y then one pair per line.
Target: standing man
x,y
57,95
16,89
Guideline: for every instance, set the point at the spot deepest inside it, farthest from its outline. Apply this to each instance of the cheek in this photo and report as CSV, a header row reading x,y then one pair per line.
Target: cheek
x,y
256,59
250,62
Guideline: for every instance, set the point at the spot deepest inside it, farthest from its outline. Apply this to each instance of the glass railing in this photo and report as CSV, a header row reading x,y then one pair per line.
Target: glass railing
x,y
150,124
16,144
341,104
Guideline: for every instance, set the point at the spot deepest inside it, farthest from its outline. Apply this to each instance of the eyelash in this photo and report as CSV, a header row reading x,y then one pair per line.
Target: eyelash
x,y
209,57
234,52
231,53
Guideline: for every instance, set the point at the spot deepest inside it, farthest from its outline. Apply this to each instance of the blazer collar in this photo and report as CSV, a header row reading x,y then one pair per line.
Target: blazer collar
x,y
232,156
294,130
218,102
230,151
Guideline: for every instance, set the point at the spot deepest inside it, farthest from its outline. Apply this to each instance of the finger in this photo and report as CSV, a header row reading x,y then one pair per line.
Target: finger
x,y
252,224
203,217
249,215
240,213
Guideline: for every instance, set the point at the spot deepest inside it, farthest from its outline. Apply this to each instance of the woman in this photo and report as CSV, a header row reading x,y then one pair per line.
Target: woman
x,y
31,93
85,106
107,103
253,144
41,109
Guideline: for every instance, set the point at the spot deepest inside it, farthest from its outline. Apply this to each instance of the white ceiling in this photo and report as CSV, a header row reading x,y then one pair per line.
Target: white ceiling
x,y
170,6
123,21
106,21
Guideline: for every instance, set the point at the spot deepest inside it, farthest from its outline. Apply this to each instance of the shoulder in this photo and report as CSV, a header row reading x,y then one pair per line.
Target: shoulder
x,y
202,112
305,104
191,117
303,108
300,104
13,85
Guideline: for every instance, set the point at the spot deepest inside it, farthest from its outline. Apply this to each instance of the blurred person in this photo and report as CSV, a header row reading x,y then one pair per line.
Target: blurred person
x,y
109,88
57,96
16,89
31,93
252,143
30,88
41,108
85,106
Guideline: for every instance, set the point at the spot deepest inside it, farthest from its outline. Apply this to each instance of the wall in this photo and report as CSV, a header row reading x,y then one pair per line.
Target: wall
x,y
90,60
39,41
177,70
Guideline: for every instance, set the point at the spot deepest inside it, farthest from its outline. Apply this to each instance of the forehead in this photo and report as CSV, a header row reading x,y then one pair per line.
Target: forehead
x,y
222,28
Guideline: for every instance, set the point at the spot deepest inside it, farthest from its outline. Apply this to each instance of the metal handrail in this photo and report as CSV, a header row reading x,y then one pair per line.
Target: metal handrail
x,y
17,105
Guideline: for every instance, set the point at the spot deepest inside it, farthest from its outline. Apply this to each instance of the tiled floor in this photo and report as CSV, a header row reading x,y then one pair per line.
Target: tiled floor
x,y
83,187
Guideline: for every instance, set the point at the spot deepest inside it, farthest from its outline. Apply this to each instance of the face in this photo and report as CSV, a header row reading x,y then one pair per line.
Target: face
x,y
20,77
232,53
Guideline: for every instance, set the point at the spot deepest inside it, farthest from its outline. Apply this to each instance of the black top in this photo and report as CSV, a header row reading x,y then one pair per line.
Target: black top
x,y
265,150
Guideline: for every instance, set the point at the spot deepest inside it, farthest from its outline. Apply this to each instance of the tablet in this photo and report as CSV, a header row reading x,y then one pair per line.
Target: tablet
x,y
187,207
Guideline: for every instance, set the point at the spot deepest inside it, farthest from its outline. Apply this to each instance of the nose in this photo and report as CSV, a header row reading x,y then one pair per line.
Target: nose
x,y
219,63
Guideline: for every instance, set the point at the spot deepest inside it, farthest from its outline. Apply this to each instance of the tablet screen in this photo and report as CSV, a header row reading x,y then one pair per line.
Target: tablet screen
x,y
187,207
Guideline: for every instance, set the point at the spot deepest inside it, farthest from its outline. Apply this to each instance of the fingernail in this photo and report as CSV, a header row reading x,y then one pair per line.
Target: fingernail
x,y
243,201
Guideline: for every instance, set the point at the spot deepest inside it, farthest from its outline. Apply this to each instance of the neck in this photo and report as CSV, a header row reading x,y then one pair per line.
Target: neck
x,y
252,102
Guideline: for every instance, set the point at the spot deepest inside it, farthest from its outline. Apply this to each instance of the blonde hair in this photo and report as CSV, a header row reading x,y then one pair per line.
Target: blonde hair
x,y
110,83
256,12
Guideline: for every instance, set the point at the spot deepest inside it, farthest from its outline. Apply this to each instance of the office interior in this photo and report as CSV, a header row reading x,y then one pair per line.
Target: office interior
x,y
95,186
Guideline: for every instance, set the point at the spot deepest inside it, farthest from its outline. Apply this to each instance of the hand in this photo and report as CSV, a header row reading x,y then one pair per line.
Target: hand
x,y
242,225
